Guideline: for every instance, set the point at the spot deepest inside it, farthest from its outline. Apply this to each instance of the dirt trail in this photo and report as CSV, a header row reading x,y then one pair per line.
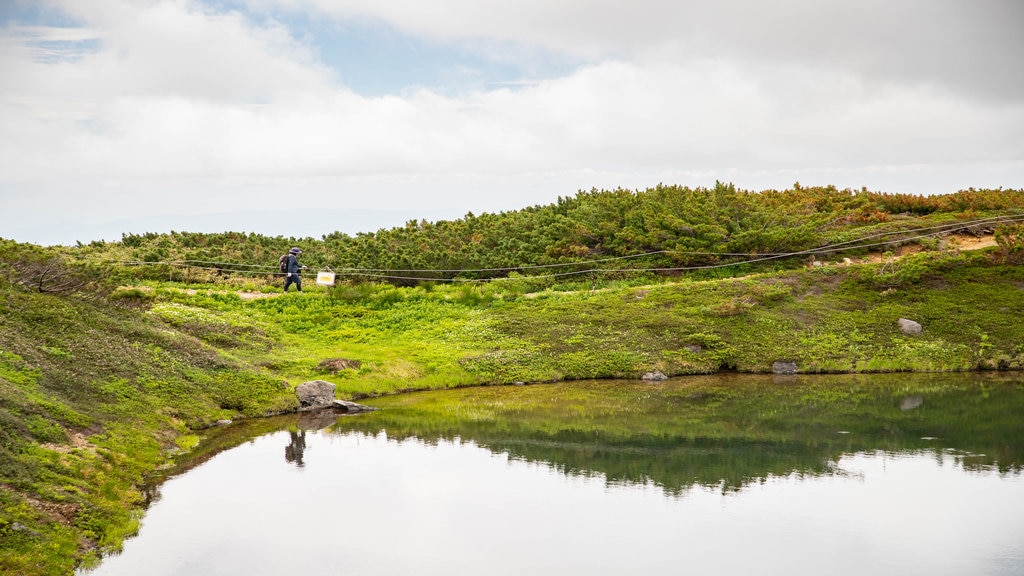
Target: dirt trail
x,y
953,241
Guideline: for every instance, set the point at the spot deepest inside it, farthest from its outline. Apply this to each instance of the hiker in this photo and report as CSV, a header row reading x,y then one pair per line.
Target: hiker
x,y
292,270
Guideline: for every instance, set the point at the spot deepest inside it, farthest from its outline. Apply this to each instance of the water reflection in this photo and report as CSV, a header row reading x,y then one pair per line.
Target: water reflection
x,y
719,431
293,451
374,505
911,402
898,473
723,431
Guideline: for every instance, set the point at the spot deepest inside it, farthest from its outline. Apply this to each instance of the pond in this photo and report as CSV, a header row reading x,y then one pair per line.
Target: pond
x,y
907,474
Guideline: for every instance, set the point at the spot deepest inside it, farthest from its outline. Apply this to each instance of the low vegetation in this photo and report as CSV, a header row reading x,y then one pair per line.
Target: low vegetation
x,y
112,354
596,235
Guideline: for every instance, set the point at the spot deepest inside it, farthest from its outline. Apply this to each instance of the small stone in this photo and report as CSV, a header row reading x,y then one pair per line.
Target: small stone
x,y
655,376
909,327
352,407
19,527
785,367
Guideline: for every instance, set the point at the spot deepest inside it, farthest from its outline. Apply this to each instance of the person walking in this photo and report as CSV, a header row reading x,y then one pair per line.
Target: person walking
x,y
293,270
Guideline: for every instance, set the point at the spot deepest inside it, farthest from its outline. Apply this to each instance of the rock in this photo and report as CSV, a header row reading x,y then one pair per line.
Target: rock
x,y
19,527
224,422
656,376
909,327
694,348
784,367
315,394
351,407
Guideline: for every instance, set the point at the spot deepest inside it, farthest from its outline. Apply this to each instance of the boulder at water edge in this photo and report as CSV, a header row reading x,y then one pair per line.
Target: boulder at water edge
x,y
656,376
315,394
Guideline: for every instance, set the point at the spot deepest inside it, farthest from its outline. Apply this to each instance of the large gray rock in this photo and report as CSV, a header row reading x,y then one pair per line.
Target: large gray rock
x,y
909,327
315,394
784,367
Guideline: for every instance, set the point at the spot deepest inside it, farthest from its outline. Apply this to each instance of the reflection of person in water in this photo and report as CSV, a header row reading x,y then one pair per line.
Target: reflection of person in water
x,y
293,451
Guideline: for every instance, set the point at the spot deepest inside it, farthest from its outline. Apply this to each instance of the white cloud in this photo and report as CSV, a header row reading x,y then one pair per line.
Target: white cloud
x,y
965,45
177,108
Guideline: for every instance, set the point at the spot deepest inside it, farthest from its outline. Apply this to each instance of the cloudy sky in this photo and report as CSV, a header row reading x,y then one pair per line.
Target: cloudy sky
x,y
300,117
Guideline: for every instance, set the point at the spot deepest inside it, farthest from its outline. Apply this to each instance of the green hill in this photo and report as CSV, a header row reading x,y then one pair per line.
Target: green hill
x,y
112,354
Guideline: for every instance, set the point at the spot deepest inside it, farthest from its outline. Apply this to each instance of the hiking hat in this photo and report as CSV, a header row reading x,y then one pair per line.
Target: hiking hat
x,y
295,251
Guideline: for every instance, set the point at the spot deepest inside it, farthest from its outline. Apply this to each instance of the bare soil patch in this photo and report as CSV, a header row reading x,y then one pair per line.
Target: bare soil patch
x,y
952,242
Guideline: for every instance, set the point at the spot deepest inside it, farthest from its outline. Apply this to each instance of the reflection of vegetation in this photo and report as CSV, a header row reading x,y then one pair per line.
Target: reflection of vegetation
x,y
723,431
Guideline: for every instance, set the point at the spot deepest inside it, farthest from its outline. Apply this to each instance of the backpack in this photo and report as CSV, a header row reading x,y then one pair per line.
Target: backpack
x,y
282,263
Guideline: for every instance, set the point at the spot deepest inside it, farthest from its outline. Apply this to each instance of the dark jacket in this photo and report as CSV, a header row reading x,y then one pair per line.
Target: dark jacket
x,y
293,266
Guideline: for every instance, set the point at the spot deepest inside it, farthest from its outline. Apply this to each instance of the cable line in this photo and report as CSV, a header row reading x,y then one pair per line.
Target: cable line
x,y
750,258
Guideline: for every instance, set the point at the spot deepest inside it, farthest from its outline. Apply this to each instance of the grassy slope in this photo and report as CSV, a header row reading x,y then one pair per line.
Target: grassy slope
x,y
834,319
93,395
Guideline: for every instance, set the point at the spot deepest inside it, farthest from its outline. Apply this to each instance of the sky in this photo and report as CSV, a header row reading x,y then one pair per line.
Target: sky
x,y
304,117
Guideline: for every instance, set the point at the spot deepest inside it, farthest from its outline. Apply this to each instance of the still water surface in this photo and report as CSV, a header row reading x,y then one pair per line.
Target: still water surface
x,y
726,476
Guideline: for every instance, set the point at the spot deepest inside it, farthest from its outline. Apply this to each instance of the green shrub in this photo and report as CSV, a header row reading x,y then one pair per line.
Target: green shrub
x,y
1010,239
133,297
473,295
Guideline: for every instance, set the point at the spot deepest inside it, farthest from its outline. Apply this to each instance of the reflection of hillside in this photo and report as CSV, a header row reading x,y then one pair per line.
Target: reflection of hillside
x,y
217,440
214,441
748,433
724,432
728,464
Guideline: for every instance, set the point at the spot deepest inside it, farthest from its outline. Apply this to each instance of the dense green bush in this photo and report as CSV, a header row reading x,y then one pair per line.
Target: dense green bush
x,y
596,234
1010,238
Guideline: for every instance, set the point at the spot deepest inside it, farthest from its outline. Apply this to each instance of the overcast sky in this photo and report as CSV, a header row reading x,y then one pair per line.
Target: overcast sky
x,y
300,117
